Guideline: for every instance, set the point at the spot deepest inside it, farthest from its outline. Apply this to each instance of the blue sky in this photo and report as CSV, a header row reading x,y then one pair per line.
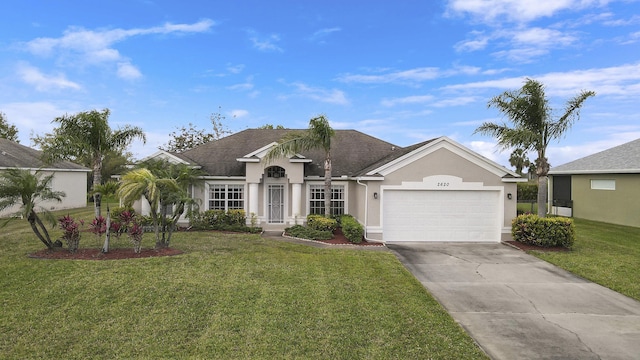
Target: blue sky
x,y
403,71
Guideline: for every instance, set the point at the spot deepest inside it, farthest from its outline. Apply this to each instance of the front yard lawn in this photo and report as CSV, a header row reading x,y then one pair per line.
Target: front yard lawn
x,y
228,296
606,254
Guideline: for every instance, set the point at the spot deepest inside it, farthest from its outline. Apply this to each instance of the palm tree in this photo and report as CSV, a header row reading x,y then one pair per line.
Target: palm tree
x,y
24,187
533,126
518,160
87,137
167,188
318,135
179,200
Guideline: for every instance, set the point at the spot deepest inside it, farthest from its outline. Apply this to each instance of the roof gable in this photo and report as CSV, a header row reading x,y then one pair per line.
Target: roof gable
x,y
624,158
417,151
13,154
162,155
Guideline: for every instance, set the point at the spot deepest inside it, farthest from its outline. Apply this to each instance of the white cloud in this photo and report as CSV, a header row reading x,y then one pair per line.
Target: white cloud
x,y
96,46
321,34
238,113
33,117
622,81
235,69
457,101
128,71
523,44
541,37
410,76
522,11
416,99
332,96
406,76
241,87
521,55
489,150
265,43
42,82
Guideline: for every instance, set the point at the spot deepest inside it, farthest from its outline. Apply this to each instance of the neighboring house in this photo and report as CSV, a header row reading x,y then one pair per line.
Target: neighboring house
x,y
436,190
68,177
603,187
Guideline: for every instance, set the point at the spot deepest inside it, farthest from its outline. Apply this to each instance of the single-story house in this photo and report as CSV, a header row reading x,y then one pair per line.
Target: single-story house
x,y
437,190
68,177
604,186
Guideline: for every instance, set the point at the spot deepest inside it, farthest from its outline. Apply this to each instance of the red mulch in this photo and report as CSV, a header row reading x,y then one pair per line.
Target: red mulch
x,y
527,247
96,254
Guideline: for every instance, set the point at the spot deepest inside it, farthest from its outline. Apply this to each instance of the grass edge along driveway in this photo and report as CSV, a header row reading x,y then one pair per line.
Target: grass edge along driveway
x,y
606,254
228,296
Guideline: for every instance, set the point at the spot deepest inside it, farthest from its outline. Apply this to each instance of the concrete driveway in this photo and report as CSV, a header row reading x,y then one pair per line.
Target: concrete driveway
x,y
519,307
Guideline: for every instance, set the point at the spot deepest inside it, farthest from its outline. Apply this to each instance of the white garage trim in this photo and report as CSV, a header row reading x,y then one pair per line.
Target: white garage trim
x,y
447,222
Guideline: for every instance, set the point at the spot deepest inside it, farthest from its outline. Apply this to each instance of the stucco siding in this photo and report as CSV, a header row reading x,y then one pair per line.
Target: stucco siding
x,y
619,206
443,162
72,183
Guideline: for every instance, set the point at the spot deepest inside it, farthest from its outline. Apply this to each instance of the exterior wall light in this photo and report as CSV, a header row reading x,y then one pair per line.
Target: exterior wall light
x,y
375,195
509,196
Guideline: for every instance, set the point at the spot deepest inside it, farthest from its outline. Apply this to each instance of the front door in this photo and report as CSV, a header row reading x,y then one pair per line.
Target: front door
x,y
276,204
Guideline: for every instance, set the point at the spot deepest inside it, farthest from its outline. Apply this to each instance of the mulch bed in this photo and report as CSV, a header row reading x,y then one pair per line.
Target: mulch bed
x,y
527,247
96,254
340,239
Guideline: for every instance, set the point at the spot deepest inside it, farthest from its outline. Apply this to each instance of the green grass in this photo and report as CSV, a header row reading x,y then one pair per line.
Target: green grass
x,y
606,254
226,297
528,207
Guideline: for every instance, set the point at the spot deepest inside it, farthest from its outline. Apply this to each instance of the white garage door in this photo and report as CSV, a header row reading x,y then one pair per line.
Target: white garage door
x,y
439,215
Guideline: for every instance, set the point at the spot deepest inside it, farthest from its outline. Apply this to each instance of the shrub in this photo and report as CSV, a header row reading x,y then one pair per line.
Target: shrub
x,y
136,233
527,191
233,220
98,226
545,232
352,229
117,211
305,232
321,223
71,232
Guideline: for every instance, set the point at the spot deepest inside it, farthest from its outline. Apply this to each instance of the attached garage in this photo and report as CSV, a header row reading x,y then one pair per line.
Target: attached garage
x,y
442,209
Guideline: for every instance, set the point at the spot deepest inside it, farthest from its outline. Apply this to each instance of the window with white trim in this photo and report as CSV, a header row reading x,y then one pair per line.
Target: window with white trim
x,y
226,197
603,184
316,199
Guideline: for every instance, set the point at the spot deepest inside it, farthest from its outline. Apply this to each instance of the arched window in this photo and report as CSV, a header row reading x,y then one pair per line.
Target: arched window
x,y
275,172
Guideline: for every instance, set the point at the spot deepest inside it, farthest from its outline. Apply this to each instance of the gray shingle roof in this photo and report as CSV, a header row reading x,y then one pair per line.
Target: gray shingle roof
x,y
13,155
624,158
352,151
399,152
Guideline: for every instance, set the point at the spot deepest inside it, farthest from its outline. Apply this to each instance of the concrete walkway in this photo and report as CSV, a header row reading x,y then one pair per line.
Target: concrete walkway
x,y
519,307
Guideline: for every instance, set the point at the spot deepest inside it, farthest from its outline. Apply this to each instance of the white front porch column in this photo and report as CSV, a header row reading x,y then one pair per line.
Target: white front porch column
x,y
296,200
253,199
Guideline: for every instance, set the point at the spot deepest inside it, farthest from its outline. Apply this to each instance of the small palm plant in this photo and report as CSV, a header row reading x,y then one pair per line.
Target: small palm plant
x,y
27,189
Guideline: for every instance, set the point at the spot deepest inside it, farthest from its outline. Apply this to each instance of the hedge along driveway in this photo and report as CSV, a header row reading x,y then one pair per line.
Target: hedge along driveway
x,y
228,296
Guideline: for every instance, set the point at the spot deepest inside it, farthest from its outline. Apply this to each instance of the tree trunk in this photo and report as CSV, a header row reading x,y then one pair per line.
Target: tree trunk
x,y
542,195
33,221
542,170
327,185
107,238
97,180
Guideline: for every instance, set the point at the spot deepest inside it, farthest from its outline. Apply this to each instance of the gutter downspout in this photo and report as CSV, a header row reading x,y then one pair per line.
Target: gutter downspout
x,y
366,211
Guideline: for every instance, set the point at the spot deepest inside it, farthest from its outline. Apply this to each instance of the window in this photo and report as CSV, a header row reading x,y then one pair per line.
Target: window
x,y
226,197
316,199
603,184
275,172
